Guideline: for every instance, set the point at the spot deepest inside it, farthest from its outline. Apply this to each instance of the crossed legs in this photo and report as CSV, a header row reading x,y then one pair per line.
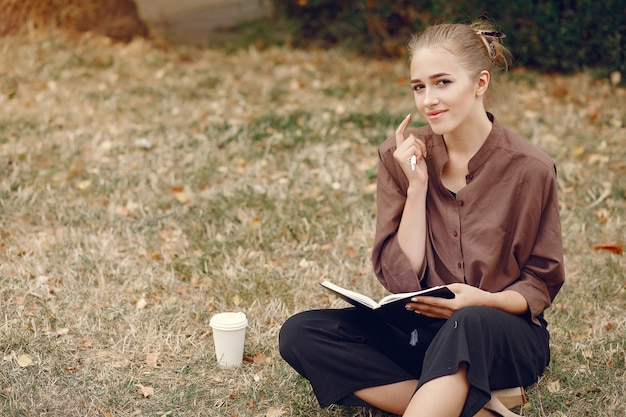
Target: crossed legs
x,y
440,397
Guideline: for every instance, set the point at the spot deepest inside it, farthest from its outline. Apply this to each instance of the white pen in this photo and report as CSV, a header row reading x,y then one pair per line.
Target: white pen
x,y
413,163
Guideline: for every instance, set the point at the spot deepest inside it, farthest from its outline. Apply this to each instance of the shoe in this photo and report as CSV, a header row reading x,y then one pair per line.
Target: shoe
x,y
502,400
511,397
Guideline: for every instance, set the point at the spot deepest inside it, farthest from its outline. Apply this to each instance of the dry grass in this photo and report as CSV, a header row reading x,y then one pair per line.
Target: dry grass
x,y
145,187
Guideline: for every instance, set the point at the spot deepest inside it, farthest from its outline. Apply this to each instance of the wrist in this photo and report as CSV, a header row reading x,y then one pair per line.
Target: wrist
x,y
417,191
507,300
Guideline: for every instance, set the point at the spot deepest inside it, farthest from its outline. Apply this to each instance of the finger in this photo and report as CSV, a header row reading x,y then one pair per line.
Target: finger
x,y
422,147
400,130
419,144
431,301
428,311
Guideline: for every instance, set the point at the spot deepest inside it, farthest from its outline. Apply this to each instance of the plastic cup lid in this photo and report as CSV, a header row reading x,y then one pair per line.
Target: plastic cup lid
x,y
229,321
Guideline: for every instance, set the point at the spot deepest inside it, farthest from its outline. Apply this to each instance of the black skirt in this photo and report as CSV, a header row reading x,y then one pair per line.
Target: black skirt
x,y
343,351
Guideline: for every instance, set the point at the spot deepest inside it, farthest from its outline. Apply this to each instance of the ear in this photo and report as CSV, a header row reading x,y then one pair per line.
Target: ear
x,y
483,82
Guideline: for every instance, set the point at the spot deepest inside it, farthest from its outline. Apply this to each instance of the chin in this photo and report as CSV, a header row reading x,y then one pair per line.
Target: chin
x,y
439,129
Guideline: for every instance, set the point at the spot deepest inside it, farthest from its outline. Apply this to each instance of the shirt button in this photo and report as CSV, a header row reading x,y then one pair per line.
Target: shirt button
x,y
455,233
458,265
461,203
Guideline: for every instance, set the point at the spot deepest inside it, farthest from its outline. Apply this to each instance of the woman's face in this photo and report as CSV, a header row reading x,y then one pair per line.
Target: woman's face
x,y
445,94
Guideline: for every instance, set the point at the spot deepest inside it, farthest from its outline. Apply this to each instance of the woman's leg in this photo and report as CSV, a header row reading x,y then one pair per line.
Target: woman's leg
x,y
351,357
440,397
491,349
393,398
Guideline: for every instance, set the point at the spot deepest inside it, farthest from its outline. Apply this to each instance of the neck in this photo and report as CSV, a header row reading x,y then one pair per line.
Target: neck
x,y
469,137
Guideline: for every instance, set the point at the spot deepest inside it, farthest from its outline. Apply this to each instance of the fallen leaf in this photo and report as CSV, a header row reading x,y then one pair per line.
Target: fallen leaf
x,y
143,143
176,188
602,216
254,222
614,248
258,358
25,361
616,77
141,303
182,197
83,185
578,151
147,392
554,386
58,332
152,359
274,412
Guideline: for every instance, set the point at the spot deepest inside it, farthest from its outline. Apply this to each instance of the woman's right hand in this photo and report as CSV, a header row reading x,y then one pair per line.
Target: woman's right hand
x,y
407,148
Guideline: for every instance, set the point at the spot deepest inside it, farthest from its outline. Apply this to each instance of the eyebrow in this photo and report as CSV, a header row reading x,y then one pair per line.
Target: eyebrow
x,y
432,77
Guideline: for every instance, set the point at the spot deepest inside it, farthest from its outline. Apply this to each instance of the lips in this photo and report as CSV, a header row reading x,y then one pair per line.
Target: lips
x,y
434,115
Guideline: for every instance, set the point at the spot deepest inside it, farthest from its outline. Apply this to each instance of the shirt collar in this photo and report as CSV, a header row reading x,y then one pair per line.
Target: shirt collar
x,y
440,155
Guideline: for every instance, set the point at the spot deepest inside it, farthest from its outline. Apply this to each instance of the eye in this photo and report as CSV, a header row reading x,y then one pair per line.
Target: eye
x,y
417,87
443,82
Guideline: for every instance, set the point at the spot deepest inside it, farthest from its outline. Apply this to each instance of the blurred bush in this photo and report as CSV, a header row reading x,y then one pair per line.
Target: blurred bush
x,y
117,19
549,35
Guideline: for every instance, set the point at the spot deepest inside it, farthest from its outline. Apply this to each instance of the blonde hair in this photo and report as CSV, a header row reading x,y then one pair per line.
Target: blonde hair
x,y
477,45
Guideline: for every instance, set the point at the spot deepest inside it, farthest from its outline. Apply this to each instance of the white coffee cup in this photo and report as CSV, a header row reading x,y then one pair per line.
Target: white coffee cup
x,y
229,332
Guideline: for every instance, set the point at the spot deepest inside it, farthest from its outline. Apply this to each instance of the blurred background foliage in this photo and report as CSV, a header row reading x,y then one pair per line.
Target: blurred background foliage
x,y
547,35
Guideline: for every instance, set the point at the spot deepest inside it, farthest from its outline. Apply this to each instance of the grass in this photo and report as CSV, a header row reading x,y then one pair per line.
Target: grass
x,y
145,187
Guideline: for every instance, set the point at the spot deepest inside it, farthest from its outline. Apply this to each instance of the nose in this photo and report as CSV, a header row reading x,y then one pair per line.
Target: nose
x,y
430,97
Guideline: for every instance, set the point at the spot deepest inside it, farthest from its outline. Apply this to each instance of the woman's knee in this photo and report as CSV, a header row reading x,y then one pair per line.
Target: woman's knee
x,y
288,334
477,315
297,332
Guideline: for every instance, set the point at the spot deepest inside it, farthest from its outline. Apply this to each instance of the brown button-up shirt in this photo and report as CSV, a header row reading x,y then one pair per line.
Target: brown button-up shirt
x,y
500,232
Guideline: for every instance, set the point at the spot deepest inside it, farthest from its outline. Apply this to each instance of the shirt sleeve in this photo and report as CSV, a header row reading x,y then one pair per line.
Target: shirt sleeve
x,y
543,274
391,266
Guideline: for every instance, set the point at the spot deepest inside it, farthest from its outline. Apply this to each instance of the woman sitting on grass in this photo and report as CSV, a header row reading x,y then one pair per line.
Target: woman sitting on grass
x,y
462,202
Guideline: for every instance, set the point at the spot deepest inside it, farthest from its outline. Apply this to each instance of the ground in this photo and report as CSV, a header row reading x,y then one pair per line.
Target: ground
x,y
146,186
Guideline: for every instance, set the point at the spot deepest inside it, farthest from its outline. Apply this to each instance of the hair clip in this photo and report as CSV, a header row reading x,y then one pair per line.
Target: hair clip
x,y
490,37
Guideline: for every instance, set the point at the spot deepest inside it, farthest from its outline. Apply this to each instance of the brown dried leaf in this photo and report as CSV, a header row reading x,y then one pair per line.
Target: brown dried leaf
x,y
554,386
176,188
258,358
182,197
141,303
613,248
25,361
152,359
274,412
147,392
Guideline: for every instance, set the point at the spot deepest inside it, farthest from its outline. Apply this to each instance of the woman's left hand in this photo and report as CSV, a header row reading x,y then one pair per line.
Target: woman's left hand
x,y
442,308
